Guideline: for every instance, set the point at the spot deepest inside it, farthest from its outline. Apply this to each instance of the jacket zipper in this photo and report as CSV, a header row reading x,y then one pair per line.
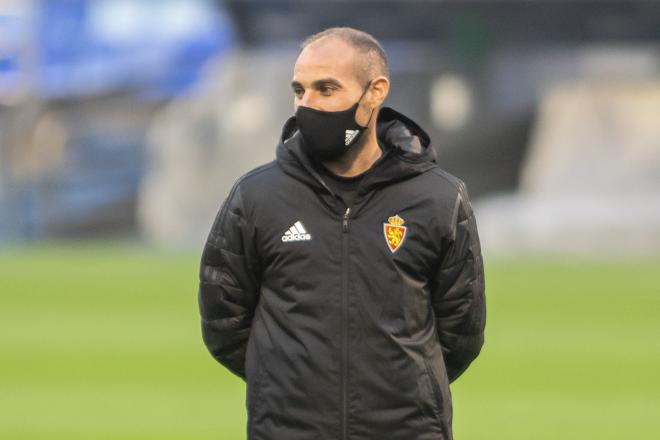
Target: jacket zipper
x,y
344,329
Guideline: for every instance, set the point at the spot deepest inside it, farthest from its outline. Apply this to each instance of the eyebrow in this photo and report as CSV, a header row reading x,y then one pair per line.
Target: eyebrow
x,y
319,82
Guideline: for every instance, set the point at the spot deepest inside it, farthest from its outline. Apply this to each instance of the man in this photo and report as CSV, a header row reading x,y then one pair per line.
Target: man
x,y
343,281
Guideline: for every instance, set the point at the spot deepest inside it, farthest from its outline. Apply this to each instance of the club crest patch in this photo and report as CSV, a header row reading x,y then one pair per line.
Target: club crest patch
x,y
394,232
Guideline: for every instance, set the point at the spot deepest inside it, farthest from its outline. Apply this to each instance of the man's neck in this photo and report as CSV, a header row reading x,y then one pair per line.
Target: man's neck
x,y
357,161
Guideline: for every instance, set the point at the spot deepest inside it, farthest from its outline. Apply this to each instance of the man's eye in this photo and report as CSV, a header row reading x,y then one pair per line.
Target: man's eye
x,y
298,92
326,90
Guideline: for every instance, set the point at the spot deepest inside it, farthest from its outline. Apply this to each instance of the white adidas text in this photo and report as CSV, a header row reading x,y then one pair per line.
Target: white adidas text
x,y
297,232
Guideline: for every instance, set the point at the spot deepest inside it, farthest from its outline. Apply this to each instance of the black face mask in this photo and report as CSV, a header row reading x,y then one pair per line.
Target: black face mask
x,y
328,135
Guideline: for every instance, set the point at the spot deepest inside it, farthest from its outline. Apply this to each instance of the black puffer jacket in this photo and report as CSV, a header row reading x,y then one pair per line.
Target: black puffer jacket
x,y
346,324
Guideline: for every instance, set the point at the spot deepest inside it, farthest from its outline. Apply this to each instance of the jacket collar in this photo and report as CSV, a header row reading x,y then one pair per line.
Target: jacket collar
x,y
407,153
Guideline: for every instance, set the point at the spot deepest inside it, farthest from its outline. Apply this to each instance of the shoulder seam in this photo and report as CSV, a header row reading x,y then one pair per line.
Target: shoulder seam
x,y
456,181
220,217
462,197
237,184
258,170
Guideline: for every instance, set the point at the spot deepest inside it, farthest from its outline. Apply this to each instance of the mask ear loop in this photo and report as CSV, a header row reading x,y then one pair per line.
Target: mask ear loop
x,y
372,110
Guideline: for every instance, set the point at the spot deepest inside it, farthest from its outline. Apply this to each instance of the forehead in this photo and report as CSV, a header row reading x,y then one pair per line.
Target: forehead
x,y
328,57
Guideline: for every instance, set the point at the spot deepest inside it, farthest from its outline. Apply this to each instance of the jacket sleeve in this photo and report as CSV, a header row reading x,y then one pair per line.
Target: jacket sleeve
x,y
458,293
228,285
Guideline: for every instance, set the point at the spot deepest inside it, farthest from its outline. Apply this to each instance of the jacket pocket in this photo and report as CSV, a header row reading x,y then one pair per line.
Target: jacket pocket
x,y
435,389
255,399
256,387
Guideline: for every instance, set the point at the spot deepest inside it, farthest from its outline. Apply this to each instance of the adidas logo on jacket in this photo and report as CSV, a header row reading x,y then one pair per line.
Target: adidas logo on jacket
x,y
296,232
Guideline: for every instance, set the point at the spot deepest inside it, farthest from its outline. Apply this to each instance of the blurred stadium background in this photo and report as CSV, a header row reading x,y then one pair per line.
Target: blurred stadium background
x,y
124,123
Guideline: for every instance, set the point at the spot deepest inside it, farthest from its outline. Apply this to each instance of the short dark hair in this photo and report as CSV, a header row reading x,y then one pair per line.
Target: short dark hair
x,y
372,61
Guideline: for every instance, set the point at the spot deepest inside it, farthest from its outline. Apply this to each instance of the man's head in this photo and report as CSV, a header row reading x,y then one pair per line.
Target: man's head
x,y
335,67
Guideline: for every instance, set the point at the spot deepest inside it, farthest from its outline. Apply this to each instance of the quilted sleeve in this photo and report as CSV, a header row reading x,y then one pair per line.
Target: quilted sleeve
x,y
228,285
458,293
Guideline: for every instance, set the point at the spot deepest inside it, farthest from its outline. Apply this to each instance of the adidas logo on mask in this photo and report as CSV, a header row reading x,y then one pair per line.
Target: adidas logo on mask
x,y
350,135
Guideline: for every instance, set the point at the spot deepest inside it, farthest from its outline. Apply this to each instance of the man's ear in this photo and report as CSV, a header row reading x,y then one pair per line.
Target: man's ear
x,y
380,87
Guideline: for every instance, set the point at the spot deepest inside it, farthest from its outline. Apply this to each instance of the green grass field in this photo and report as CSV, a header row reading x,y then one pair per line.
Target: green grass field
x,y
103,342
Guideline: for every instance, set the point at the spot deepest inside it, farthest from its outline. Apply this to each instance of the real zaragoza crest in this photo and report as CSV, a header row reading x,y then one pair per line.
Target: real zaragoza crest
x,y
394,232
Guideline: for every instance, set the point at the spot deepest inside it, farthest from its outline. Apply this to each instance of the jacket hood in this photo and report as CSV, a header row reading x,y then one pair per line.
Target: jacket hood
x,y
407,153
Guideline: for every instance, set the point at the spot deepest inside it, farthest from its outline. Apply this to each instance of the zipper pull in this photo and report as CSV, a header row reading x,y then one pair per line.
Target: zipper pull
x,y
344,222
